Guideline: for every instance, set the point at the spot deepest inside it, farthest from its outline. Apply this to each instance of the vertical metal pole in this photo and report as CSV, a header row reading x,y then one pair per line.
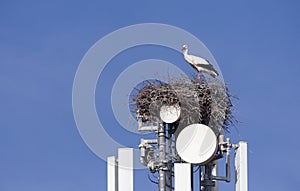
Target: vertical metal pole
x,y
228,165
192,177
169,165
210,171
206,177
201,178
214,172
162,156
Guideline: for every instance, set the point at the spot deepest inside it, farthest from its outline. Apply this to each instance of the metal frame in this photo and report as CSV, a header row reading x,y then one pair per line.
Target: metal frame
x,y
121,177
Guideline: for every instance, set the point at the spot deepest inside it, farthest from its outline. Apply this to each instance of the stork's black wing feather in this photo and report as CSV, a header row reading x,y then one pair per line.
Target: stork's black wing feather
x,y
208,67
207,61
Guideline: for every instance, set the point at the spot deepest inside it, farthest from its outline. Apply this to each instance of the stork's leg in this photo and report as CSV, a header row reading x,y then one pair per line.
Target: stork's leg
x,y
199,77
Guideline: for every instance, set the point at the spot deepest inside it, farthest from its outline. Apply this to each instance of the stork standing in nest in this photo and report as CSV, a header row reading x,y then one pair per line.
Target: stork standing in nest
x,y
199,64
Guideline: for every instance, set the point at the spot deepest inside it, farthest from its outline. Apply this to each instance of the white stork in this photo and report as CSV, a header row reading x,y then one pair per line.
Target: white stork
x,y
200,64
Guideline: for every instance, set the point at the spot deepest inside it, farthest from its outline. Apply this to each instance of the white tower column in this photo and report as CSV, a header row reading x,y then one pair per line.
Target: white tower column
x,y
125,169
183,177
241,167
112,174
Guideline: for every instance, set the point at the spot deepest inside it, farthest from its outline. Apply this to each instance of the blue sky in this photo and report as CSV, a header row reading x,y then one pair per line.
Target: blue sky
x,y
255,43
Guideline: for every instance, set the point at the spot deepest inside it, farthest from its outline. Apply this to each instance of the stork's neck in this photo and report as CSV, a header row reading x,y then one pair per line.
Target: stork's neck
x,y
185,52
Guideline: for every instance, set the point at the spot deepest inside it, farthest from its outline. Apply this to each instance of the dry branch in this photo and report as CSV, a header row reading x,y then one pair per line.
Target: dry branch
x,y
206,103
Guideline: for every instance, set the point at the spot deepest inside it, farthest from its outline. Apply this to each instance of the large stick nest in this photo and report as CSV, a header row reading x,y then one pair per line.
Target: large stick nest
x,y
205,103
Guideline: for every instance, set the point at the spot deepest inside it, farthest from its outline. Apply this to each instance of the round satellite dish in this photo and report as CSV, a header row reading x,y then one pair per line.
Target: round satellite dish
x,y
169,113
196,144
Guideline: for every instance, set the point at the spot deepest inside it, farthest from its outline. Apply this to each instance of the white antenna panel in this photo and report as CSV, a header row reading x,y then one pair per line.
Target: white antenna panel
x,y
196,144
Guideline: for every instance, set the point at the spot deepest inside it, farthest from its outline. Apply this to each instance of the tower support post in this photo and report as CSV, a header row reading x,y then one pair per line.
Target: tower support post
x,y
162,156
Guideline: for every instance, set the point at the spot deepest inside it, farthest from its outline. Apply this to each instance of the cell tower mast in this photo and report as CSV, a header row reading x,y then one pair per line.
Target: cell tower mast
x,y
188,119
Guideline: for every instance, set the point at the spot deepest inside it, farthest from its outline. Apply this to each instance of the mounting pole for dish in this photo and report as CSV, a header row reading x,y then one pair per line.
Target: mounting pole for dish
x,y
162,156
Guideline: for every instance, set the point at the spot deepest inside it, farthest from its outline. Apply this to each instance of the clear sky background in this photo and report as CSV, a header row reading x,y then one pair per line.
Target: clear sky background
x,y
256,44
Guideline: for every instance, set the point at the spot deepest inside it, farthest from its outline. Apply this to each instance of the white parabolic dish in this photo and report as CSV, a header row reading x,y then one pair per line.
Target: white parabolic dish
x,y
196,144
169,114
